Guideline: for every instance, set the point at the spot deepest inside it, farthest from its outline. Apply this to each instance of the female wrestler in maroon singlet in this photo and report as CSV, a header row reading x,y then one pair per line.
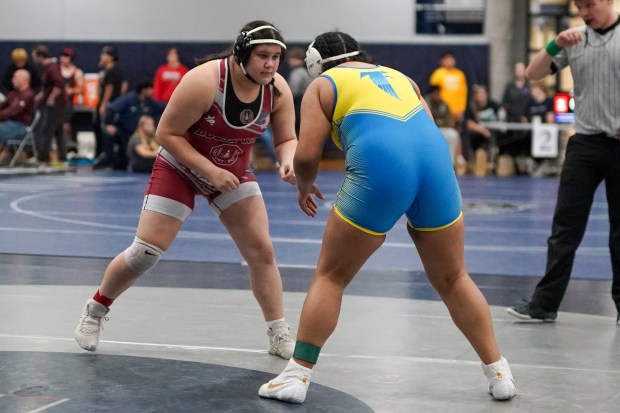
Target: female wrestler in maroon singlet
x,y
206,135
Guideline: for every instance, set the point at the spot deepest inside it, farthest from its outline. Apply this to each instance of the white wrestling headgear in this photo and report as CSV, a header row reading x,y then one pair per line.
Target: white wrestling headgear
x,y
314,61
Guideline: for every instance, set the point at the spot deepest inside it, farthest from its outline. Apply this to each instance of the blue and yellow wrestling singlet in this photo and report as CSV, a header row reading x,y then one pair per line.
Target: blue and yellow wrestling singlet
x,y
397,161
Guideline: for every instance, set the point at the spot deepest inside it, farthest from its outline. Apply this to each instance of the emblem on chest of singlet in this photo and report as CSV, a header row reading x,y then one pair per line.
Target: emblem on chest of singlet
x,y
246,116
225,154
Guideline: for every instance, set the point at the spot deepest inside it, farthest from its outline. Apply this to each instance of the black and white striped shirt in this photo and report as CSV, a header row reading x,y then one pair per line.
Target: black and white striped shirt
x,y
595,65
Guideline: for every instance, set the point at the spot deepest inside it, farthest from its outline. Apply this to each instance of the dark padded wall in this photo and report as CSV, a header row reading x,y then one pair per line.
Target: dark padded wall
x,y
140,60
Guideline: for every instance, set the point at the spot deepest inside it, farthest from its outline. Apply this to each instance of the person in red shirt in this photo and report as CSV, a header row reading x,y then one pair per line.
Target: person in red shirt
x,y
168,76
55,103
17,111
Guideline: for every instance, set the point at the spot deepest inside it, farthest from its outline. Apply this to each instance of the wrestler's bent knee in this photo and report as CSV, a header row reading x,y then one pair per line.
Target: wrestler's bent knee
x,y
142,256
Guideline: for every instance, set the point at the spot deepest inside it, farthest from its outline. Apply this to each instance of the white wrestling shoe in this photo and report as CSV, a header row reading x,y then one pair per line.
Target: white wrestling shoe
x,y
290,386
89,327
501,383
280,341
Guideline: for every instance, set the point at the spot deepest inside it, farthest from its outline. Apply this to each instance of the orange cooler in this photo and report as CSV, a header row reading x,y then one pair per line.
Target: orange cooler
x,y
91,90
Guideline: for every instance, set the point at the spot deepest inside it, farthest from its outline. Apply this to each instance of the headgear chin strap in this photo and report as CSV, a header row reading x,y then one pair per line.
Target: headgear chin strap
x,y
314,61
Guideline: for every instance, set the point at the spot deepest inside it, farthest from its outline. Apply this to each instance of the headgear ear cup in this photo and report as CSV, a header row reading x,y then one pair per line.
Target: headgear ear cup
x,y
314,61
242,47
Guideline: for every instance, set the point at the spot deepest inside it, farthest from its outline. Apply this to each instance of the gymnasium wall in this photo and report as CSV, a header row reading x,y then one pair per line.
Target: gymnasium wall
x,y
144,29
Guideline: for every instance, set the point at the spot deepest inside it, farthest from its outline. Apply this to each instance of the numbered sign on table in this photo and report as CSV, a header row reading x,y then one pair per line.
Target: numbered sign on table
x,y
544,139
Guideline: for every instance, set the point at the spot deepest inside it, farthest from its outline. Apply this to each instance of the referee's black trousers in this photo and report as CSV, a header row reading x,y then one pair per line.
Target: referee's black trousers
x,y
590,159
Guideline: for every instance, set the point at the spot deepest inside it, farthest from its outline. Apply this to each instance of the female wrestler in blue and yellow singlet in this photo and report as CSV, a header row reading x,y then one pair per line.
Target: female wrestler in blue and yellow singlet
x,y
397,160
397,163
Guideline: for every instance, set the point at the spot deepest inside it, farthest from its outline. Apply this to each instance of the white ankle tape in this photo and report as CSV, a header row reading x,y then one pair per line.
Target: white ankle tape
x,y
141,256
293,365
274,322
497,363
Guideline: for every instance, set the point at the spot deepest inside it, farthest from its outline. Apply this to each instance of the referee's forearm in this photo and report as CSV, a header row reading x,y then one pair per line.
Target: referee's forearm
x,y
540,66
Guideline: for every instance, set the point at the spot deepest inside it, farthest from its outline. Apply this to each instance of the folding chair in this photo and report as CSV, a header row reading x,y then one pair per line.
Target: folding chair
x,y
27,140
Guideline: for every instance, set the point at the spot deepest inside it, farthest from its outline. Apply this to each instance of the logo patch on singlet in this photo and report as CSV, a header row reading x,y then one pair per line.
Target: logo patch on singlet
x,y
225,154
246,116
381,80
210,120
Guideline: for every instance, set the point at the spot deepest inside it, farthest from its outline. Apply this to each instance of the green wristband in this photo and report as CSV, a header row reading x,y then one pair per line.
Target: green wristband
x,y
306,351
553,48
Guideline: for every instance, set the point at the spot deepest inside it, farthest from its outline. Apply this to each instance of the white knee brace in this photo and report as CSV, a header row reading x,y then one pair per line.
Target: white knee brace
x,y
142,256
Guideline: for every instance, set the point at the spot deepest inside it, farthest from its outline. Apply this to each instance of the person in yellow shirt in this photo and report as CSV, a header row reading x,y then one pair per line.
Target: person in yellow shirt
x,y
453,85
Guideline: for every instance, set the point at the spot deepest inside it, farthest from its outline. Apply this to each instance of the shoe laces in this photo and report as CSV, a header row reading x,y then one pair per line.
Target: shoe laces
x,y
90,324
282,336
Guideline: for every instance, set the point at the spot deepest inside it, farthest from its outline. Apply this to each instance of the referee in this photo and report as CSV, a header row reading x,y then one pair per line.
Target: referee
x,y
592,154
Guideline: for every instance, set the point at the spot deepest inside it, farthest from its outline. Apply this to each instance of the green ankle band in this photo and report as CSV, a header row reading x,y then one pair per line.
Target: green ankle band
x,y
553,48
306,352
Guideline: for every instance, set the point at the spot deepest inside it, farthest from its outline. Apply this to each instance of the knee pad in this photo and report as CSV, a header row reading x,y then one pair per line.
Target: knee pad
x,y
142,256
